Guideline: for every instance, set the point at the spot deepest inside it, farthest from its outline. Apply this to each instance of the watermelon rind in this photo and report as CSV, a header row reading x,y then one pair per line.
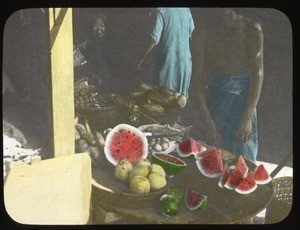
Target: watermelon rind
x,y
261,175
190,141
202,202
243,187
237,174
169,167
224,176
201,150
204,172
116,129
263,181
217,170
245,191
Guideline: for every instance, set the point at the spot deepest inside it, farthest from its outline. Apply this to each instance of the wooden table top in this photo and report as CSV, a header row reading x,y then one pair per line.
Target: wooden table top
x,y
224,206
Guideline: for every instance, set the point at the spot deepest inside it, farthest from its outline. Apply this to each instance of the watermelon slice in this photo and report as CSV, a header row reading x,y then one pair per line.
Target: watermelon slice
x,y
125,142
261,175
187,148
225,174
210,163
247,185
195,200
239,172
201,150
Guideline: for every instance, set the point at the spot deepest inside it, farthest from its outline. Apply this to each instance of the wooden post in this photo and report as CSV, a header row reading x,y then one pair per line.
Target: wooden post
x,y
62,80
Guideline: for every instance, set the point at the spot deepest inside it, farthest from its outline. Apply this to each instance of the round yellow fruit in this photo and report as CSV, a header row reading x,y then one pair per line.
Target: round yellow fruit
x,y
155,168
121,172
157,181
126,164
139,184
143,162
139,170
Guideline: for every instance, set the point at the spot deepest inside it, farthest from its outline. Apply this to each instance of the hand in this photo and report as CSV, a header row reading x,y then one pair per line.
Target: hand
x,y
213,133
244,130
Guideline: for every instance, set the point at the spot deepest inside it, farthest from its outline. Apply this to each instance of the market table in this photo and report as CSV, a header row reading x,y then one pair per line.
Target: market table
x,y
224,206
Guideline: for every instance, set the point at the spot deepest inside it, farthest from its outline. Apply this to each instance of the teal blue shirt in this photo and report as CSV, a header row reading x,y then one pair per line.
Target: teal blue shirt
x,y
172,30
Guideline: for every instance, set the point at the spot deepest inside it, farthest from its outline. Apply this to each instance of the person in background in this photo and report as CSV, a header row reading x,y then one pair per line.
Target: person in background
x,y
170,33
90,55
229,76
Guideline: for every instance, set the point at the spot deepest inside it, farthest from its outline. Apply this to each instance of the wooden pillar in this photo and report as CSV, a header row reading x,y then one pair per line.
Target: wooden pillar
x,y
62,80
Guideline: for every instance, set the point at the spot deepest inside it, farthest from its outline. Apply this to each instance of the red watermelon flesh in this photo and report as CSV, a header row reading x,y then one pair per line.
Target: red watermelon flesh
x,y
210,163
195,200
224,176
237,175
187,147
201,150
261,175
125,142
247,185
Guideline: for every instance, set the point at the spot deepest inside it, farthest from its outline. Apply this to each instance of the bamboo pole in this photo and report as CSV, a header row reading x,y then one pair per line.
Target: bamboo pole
x,y
62,80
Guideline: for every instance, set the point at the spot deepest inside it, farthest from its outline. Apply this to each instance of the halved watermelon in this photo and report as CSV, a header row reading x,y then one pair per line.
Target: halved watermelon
x,y
210,162
225,174
261,175
239,172
125,142
195,200
172,165
187,148
247,185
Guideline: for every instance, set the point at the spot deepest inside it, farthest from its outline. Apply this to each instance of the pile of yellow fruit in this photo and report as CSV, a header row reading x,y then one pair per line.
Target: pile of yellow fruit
x,y
142,177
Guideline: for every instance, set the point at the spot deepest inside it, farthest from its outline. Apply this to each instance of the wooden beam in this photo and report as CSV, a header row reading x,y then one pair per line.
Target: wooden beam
x,y
62,80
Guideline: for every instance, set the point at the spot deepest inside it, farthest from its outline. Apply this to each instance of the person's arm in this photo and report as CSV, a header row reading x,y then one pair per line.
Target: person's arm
x,y
154,36
145,53
201,79
255,49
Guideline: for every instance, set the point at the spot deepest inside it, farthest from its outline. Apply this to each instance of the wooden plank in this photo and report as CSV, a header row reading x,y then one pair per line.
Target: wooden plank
x,y
62,80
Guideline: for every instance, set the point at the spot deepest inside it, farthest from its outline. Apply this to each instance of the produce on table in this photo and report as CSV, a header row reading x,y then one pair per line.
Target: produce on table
x,y
171,202
125,142
122,170
80,128
100,139
159,95
261,175
239,172
157,180
224,176
155,168
139,184
86,141
177,193
195,200
143,162
210,162
187,148
154,174
83,97
139,170
159,144
81,146
172,165
169,205
247,185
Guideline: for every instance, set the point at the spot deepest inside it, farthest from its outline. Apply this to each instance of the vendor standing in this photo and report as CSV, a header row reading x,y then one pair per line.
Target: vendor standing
x,y
229,75
90,55
171,32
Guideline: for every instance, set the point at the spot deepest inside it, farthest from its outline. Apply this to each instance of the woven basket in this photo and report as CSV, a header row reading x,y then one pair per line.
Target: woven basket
x,y
281,203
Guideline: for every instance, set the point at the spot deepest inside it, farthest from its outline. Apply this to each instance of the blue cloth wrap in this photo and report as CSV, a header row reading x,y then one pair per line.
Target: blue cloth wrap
x,y
227,98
